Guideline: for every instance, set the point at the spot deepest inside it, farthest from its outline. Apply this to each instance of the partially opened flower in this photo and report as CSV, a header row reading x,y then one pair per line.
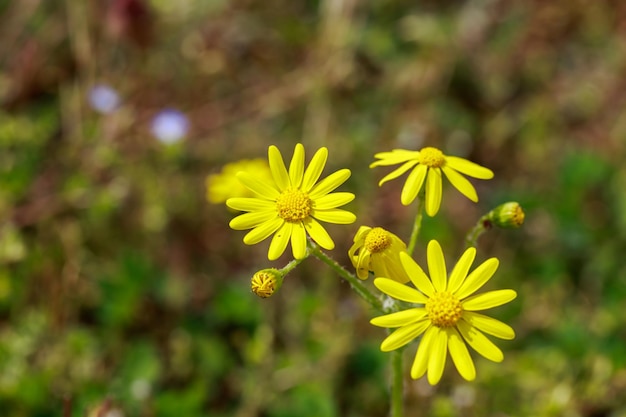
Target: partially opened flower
x,y
428,164
377,250
446,316
291,204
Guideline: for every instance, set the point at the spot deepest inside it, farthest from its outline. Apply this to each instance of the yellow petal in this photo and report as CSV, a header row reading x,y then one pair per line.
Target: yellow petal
x,y
397,172
250,204
336,216
259,187
413,184
420,364
460,355
318,233
262,231
251,220
279,241
329,183
298,241
461,183
479,342
416,274
296,167
277,167
403,335
396,156
488,300
478,277
400,318
438,354
489,325
461,269
333,200
436,266
400,291
469,168
433,191
315,168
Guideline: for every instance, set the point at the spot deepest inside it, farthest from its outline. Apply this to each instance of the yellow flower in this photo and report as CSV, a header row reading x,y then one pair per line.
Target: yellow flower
x,y
508,215
290,205
428,164
448,319
266,282
224,185
378,251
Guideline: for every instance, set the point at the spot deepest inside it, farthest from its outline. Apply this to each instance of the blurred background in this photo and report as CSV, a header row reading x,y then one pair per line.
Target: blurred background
x,y
123,292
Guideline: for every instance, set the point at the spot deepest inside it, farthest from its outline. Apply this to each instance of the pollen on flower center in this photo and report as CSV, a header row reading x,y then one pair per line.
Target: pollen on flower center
x,y
431,157
293,205
377,240
444,309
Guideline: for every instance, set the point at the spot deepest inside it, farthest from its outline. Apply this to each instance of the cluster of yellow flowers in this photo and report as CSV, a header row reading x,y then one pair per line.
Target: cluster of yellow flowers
x,y
289,204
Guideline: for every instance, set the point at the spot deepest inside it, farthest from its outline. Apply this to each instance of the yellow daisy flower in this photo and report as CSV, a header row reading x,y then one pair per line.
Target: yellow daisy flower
x,y
378,251
448,319
291,204
224,185
428,164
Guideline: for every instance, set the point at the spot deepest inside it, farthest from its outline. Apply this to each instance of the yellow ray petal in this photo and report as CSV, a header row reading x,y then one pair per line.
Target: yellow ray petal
x,y
298,241
250,204
279,241
397,172
489,325
478,277
461,183
318,233
400,291
403,335
262,231
460,270
488,300
433,191
420,364
413,184
251,220
396,156
333,200
400,318
438,354
329,183
315,168
436,266
416,274
469,168
479,341
336,216
460,355
260,188
296,167
277,167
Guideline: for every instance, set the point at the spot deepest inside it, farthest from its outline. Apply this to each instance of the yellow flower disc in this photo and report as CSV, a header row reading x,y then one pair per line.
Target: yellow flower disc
x,y
293,205
444,309
377,240
431,157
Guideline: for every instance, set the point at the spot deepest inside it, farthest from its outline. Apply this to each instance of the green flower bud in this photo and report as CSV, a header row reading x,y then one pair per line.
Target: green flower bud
x,y
508,215
266,282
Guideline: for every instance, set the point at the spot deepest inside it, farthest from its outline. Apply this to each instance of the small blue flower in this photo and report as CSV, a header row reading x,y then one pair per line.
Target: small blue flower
x,y
170,126
103,99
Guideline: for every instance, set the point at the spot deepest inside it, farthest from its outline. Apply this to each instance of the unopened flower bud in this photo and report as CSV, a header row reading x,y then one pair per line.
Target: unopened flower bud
x,y
266,282
508,215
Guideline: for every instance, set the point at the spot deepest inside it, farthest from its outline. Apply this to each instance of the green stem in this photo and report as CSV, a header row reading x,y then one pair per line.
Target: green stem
x,y
291,265
397,389
354,282
417,225
483,224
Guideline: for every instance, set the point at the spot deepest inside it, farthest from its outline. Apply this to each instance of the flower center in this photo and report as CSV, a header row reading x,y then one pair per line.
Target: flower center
x,y
444,309
377,240
263,284
431,157
293,205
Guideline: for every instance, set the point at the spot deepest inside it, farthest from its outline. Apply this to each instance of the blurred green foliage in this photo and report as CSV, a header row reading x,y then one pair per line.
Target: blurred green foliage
x,y
124,293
